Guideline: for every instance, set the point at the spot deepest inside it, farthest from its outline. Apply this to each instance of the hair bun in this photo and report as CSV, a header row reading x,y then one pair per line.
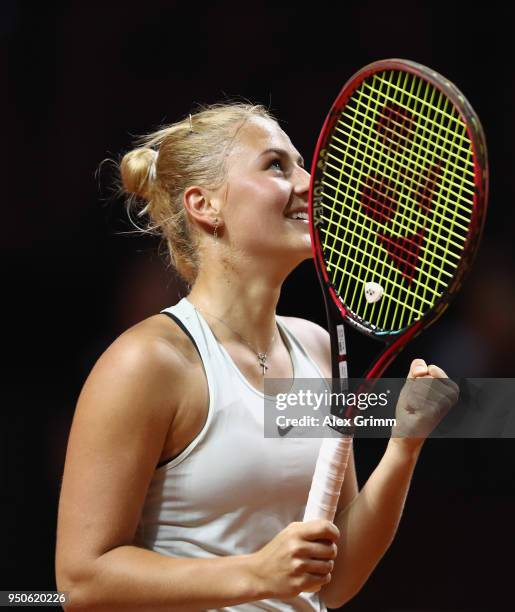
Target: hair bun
x,y
137,171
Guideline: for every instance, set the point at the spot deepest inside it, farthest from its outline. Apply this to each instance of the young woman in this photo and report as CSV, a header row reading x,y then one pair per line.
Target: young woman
x,y
172,499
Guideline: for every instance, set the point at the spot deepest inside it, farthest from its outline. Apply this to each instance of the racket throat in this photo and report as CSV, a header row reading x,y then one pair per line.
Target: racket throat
x,y
335,317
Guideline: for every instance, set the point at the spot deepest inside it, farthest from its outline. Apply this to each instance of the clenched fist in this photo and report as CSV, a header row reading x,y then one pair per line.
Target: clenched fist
x,y
427,396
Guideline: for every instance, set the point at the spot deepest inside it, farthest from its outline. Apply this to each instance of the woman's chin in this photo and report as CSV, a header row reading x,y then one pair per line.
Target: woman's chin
x,y
304,251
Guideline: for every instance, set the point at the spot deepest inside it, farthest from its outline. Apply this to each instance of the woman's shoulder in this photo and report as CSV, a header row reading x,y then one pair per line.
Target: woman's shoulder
x,y
153,353
314,338
164,338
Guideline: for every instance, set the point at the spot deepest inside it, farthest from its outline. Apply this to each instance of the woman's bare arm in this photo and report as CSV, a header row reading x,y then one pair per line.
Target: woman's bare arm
x,y
368,525
367,520
122,418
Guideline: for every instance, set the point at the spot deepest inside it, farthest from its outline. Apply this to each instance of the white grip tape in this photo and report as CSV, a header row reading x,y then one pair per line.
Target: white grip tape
x,y
328,478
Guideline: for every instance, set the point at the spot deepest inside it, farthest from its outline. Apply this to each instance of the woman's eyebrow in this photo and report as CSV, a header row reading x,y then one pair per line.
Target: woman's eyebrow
x,y
283,153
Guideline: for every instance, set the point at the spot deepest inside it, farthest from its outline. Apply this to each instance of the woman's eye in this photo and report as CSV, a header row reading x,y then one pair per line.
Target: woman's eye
x,y
276,163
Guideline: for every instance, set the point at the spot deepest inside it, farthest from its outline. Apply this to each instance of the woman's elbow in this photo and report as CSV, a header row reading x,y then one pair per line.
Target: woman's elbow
x,y
76,584
335,600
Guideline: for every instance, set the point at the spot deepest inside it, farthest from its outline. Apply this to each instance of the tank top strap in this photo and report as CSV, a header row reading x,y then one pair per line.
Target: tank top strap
x,y
186,317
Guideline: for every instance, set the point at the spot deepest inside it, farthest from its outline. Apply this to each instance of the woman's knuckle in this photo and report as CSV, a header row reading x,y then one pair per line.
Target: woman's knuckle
x,y
293,547
299,552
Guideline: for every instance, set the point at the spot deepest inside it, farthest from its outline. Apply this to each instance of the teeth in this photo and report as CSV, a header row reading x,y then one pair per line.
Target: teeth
x,y
298,215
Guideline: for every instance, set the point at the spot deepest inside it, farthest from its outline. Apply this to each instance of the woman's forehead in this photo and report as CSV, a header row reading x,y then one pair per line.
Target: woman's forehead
x,y
259,134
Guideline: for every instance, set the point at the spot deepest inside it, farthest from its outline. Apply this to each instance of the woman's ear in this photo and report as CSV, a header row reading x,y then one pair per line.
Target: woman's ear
x,y
200,206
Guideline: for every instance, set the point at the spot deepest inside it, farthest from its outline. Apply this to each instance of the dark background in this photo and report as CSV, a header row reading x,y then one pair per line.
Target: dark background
x,y
81,79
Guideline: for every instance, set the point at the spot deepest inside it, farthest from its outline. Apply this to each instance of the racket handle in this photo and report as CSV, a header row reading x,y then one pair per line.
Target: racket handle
x,y
328,478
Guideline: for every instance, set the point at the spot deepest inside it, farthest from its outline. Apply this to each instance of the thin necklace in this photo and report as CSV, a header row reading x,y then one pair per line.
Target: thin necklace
x,y
261,356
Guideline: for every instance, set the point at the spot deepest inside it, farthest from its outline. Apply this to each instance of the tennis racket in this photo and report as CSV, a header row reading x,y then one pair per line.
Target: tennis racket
x,y
397,204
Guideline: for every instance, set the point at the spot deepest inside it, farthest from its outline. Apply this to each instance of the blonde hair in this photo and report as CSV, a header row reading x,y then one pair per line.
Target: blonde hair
x,y
166,162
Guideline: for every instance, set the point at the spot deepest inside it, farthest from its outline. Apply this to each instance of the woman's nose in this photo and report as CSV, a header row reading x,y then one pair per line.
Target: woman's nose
x,y
303,179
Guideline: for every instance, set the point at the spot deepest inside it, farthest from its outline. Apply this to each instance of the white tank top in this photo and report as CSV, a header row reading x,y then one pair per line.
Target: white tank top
x,y
231,490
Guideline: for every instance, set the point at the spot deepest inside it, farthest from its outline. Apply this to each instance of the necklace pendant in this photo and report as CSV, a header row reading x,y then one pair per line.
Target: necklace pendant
x,y
262,362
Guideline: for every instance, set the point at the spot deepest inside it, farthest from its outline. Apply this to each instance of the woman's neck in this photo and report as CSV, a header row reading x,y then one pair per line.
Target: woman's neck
x,y
244,306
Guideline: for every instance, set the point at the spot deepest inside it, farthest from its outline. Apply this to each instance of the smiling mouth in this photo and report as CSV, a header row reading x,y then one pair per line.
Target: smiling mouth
x,y
298,216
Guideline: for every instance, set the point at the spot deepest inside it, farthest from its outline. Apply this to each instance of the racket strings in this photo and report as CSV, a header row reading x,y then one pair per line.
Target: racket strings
x,y
370,243
423,142
415,240
357,261
397,197
345,190
430,132
402,203
363,267
406,266
415,159
437,159
385,212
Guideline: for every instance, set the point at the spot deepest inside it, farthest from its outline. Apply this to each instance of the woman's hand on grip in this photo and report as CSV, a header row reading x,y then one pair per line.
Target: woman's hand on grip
x,y
299,559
